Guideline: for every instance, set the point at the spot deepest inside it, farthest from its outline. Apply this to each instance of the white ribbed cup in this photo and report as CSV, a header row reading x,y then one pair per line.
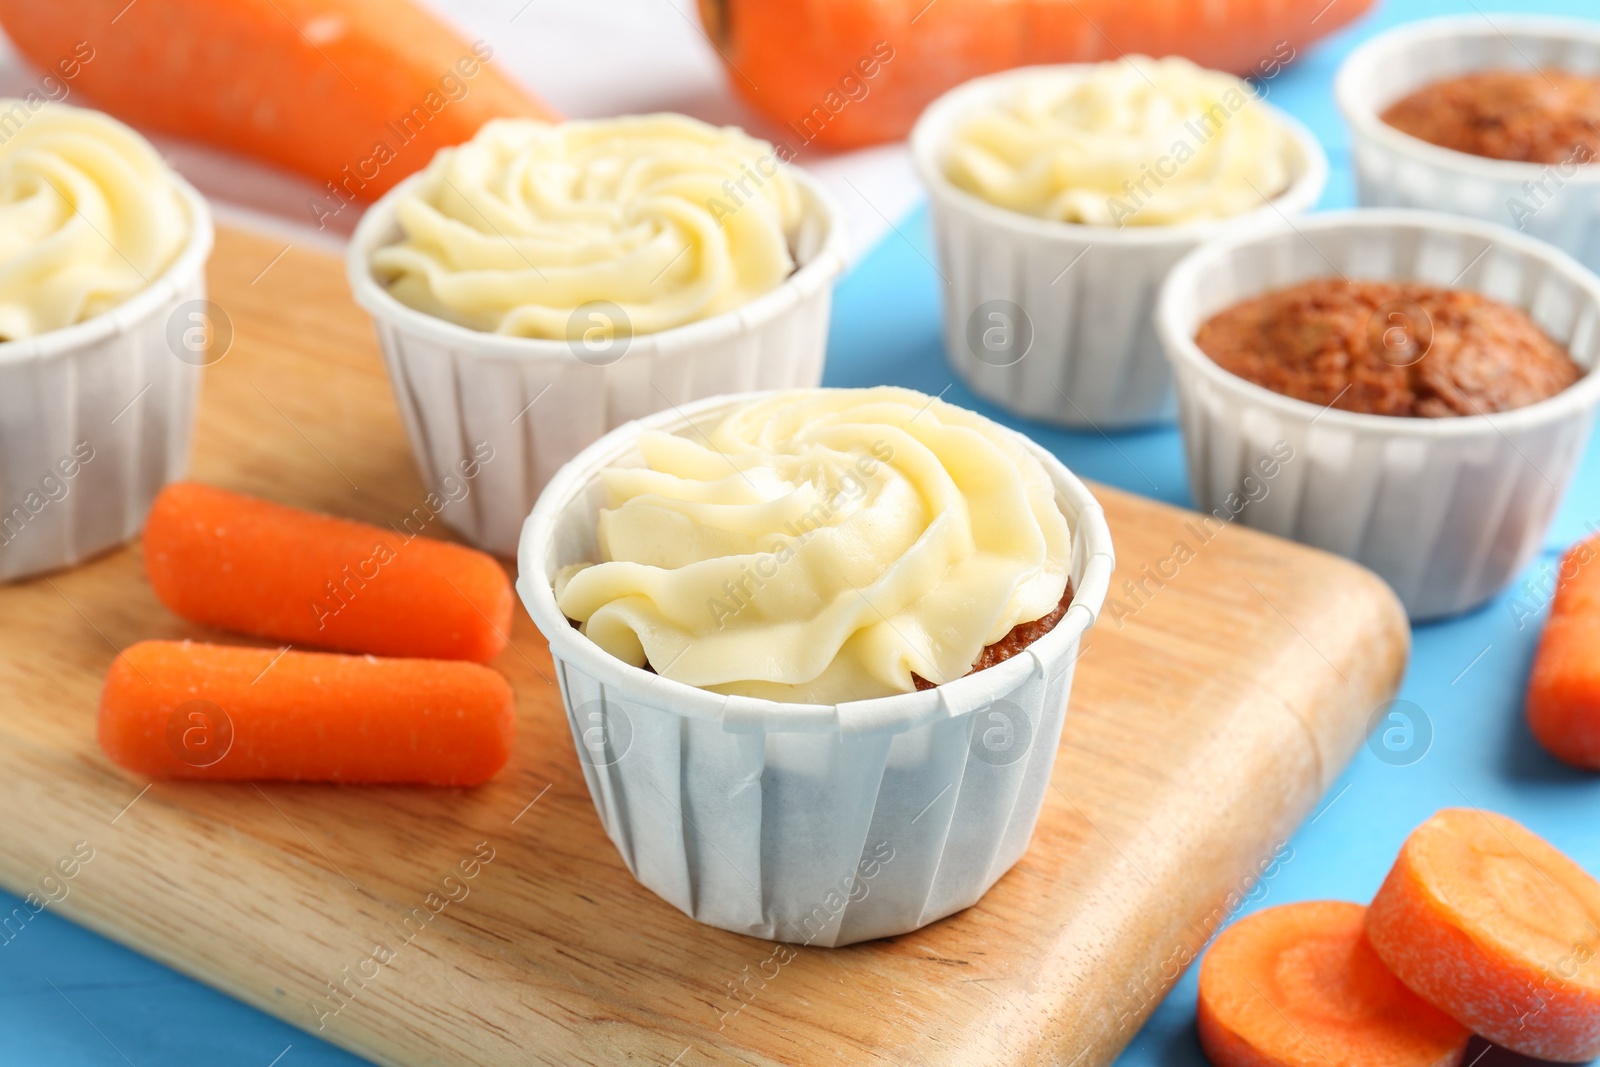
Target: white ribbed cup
x,y
112,389
534,404
824,825
1559,204
1088,291
1446,510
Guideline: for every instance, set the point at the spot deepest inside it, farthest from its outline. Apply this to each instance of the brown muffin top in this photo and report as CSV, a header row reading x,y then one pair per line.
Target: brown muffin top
x,y
1530,116
1389,348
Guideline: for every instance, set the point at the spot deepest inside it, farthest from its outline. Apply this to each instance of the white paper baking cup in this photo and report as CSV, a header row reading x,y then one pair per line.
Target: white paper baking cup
x,y
1088,292
824,825
1559,204
113,388
1445,510
533,404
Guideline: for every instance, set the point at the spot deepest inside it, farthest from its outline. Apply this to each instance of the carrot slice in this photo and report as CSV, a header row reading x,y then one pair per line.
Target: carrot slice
x,y
182,709
231,561
314,86
844,73
1496,927
1298,986
1564,688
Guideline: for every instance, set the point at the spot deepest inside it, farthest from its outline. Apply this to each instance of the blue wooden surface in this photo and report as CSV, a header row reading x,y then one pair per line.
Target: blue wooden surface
x,y
69,998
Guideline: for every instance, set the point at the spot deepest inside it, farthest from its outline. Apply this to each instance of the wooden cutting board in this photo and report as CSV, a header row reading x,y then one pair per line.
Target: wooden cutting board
x,y
1206,721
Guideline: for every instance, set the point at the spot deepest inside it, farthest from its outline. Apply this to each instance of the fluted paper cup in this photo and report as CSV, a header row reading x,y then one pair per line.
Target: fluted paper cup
x,y
1446,510
823,825
96,417
1558,203
1078,300
514,409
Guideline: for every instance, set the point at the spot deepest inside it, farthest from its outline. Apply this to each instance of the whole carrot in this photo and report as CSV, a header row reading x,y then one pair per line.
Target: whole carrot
x,y
1298,986
354,94
1564,689
181,709
843,73
238,563
1497,928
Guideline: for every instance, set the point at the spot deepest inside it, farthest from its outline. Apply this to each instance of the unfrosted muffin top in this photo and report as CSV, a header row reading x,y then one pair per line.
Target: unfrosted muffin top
x,y
1389,348
1529,116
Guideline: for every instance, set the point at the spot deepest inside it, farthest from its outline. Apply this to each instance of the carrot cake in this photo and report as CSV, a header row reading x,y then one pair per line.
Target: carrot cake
x,y
1545,116
1389,348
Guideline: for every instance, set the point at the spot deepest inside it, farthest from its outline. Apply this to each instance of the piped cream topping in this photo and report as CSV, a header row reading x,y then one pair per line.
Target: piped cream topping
x,y
89,216
669,219
821,546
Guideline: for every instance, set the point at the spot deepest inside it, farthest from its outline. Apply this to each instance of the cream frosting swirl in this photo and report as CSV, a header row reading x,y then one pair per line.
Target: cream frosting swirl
x,y
89,216
821,546
670,219
1136,142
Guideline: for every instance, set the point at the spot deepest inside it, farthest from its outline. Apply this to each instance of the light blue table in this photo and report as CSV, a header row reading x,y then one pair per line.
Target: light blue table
x,y
69,998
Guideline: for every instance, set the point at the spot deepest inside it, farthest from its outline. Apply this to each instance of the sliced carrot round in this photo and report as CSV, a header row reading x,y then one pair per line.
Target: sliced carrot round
x,y
1495,926
1298,986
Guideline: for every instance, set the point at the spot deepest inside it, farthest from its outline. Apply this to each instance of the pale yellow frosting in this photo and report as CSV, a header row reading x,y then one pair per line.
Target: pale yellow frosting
x,y
668,218
1136,142
821,546
89,216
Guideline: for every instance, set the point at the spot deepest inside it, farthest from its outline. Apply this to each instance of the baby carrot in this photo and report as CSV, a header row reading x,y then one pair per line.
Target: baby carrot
x,y
182,709
1494,926
354,94
1564,689
277,572
1298,986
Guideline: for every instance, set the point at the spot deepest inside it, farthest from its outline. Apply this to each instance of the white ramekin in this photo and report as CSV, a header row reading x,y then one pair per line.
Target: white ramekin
x,y
1445,510
108,400
535,404
818,824
1556,203
1087,291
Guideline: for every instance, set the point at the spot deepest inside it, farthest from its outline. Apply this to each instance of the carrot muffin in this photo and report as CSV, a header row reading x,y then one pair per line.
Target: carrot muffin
x,y
1528,116
89,216
668,218
822,546
1389,348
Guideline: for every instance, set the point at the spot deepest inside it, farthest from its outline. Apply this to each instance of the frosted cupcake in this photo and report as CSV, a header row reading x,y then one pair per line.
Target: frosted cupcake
x,y
855,598
1061,197
623,265
102,252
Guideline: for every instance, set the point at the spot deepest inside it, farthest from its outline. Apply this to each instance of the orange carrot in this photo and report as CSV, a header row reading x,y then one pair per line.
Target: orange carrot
x,y
1564,689
1298,986
844,73
1494,926
181,709
314,86
243,564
